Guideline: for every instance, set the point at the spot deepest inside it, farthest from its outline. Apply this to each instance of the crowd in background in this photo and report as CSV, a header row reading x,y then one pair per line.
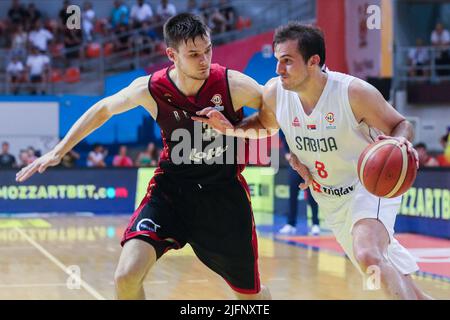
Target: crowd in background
x,y
420,58
36,40
96,158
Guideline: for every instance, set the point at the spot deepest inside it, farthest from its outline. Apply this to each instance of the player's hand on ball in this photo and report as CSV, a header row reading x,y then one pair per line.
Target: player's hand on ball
x,y
215,119
49,159
302,170
402,141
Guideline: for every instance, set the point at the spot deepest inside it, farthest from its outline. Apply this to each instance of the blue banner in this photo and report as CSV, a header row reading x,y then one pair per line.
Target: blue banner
x,y
69,190
426,206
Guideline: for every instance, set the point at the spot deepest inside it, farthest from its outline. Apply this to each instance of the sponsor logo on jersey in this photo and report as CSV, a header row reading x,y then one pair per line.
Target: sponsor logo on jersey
x,y
315,145
338,192
198,156
311,127
296,122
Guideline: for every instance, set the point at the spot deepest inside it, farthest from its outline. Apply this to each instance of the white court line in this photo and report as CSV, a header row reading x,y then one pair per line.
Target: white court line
x,y
31,285
277,279
83,283
157,282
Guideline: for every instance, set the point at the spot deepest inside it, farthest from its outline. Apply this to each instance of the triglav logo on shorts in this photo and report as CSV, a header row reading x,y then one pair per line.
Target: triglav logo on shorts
x,y
339,192
147,225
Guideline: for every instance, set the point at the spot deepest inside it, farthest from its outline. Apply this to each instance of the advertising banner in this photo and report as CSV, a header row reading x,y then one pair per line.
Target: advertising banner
x,y
69,190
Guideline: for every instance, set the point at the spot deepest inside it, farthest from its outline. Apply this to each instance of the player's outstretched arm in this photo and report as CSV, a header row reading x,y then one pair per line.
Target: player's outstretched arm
x,y
130,97
246,92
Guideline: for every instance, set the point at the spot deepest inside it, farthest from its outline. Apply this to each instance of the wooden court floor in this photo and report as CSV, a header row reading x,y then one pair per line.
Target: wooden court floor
x,y
38,257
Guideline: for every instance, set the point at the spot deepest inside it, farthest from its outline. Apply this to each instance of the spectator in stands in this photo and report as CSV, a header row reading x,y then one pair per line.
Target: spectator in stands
x,y
63,15
38,66
7,160
33,15
15,74
140,13
32,154
96,158
229,13
418,57
165,10
17,13
73,38
119,14
205,9
444,158
192,7
425,160
217,22
19,42
440,39
23,158
40,37
149,157
70,159
88,21
122,159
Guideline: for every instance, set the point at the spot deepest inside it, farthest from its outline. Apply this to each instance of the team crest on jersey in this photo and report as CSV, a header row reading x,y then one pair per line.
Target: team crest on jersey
x,y
330,119
217,99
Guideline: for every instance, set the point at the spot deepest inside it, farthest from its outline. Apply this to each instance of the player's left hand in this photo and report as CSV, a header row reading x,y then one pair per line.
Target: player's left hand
x,y
403,141
301,169
215,119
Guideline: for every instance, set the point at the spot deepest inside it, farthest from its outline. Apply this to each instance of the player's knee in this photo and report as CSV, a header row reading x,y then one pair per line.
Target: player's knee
x,y
126,279
367,257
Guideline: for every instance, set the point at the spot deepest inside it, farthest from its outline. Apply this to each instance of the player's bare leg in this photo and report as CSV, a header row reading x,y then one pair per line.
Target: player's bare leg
x,y
370,242
264,294
135,261
420,294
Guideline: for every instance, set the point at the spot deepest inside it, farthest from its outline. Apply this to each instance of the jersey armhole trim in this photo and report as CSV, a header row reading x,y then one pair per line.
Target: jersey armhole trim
x,y
348,106
235,113
151,94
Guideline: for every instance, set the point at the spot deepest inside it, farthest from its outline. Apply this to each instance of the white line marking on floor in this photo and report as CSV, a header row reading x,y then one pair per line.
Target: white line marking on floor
x,y
53,259
32,285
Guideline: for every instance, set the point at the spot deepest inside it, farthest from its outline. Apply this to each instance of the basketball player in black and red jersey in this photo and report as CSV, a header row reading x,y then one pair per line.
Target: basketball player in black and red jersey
x,y
196,202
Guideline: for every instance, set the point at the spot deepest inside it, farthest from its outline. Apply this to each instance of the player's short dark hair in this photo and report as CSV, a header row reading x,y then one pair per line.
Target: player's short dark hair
x,y
184,27
310,40
420,145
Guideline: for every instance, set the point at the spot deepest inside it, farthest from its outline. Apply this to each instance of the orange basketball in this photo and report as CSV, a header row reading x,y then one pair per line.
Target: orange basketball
x,y
387,169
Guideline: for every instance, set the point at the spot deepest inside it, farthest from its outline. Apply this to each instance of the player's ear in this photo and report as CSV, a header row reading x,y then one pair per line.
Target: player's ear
x,y
314,60
171,53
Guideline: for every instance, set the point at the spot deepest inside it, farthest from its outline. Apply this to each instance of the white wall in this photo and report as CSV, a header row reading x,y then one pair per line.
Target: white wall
x,y
433,123
24,124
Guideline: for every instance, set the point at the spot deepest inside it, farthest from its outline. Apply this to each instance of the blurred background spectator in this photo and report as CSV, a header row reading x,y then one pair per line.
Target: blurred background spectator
x,y
96,158
7,160
149,157
425,160
122,159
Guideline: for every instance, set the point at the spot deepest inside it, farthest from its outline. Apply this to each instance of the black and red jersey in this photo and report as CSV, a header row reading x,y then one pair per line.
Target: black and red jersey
x,y
193,152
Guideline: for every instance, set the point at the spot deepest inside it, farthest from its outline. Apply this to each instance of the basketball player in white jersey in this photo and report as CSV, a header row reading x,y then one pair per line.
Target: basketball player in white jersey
x,y
328,119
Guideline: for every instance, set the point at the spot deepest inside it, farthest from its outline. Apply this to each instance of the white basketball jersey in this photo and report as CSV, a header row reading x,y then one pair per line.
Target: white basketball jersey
x,y
328,141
